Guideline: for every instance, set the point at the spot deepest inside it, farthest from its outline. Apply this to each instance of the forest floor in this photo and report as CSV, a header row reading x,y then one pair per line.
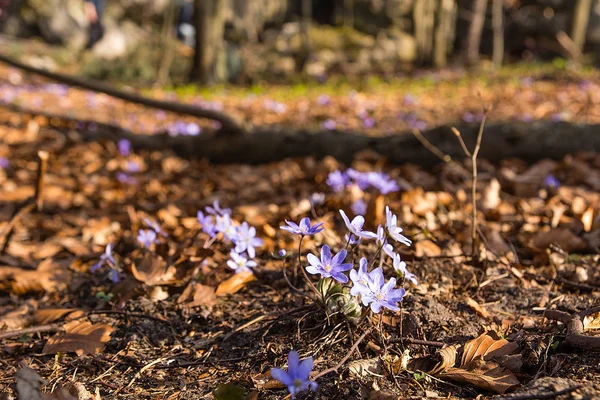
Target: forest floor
x,y
180,322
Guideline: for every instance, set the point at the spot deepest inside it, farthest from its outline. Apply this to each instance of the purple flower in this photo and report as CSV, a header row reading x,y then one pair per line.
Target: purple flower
x,y
155,226
337,180
359,207
368,122
379,293
551,181
126,179
355,227
328,266
192,129
124,146
409,100
391,224
217,210
106,257
113,275
4,163
351,239
323,100
329,125
226,227
303,228
239,263
246,240
297,378
316,199
468,117
208,224
360,279
400,267
146,237
282,253
382,182
132,166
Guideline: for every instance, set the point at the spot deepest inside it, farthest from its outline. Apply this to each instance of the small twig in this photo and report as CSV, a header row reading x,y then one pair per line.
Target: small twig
x,y
417,341
432,148
474,185
575,333
35,202
543,395
32,329
346,357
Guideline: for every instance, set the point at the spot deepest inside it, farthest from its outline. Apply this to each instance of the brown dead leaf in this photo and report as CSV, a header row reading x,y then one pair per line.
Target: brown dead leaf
x,y
591,322
235,283
488,346
426,248
153,270
561,237
49,315
49,277
588,219
202,295
436,363
475,306
80,337
483,374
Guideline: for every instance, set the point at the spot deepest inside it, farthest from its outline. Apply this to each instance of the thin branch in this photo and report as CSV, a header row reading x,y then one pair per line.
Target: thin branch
x,y
32,329
474,186
227,122
417,341
346,357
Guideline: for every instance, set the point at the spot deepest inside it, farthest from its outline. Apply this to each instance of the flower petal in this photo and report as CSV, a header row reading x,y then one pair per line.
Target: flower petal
x,y
303,371
282,376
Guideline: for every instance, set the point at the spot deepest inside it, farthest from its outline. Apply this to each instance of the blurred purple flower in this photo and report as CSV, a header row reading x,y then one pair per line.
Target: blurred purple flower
x,y
323,100
217,210
359,207
368,122
4,162
239,263
246,240
337,180
146,237
550,181
329,125
126,179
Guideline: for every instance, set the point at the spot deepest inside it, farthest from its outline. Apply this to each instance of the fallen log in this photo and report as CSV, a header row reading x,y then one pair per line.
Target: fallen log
x,y
527,141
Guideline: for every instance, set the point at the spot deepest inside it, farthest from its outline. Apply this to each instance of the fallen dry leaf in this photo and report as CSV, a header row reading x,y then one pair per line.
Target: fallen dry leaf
x,y
49,276
475,306
561,237
153,270
235,283
591,322
483,374
196,295
488,346
436,363
80,337
365,367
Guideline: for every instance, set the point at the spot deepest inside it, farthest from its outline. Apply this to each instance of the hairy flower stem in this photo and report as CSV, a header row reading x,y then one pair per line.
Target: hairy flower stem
x,y
306,277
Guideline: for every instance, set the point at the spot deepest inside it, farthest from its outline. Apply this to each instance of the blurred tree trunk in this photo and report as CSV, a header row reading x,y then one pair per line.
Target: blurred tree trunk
x,y
475,30
424,19
444,32
498,26
581,18
349,13
305,31
209,21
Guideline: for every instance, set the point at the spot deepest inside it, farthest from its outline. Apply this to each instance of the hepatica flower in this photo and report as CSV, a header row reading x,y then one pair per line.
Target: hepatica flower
x,y
106,257
329,125
208,224
124,146
379,293
246,240
400,267
328,266
360,279
226,227
337,180
297,376
304,228
155,226
359,207
551,182
4,163
146,237
355,226
217,210
395,232
239,263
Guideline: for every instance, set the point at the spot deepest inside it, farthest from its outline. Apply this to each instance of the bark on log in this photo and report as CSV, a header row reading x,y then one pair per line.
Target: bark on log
x,y
228,123
528,141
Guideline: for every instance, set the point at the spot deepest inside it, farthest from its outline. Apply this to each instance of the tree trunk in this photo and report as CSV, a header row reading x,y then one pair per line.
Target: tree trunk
x,y
349,13
444,32
305,24
581,18
475,30
498,26
209,23
424,18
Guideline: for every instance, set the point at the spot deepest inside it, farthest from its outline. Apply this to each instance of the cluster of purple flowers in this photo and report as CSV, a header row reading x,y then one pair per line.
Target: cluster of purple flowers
x,y
181,128
131,167
216,220
371,286
108,259
338,180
